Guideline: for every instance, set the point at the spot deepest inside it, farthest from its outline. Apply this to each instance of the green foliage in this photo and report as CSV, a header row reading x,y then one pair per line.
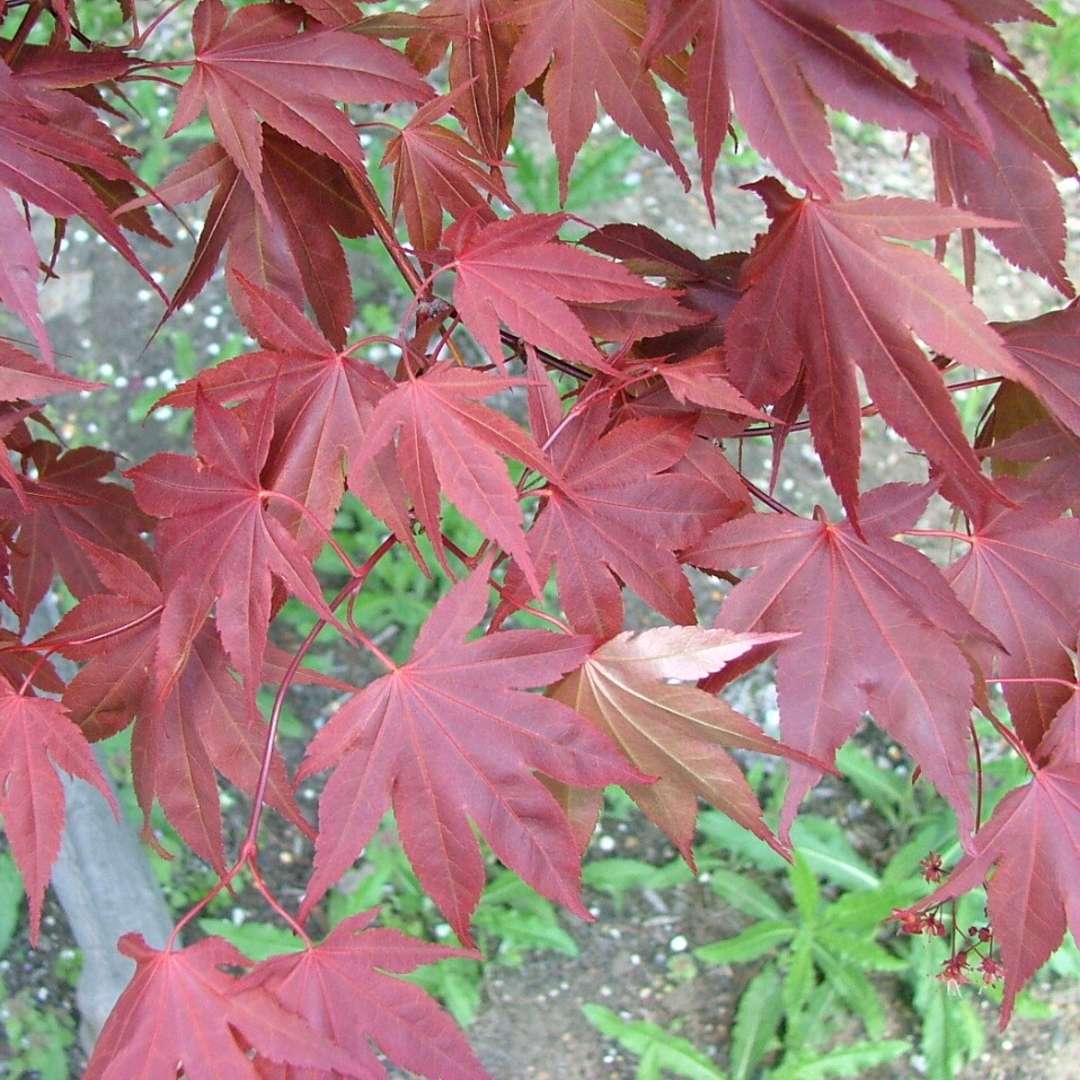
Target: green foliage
x,y
605,170
817,947
757,1020
661,1052
617,877
11,894
819,937
38,1037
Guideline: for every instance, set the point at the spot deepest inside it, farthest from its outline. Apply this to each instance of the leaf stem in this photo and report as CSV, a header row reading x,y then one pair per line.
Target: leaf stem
x,y
369,200
138,41
64,643
978,774
323,531
765,497
867,410
33,12
470,562
1048,679
249,847
1012,739
946,534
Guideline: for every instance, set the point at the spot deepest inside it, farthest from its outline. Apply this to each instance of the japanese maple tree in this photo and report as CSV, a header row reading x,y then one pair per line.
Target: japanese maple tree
x,y
583,396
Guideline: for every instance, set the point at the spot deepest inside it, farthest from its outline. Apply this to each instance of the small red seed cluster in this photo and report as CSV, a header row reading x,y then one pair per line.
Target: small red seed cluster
x,y
968,952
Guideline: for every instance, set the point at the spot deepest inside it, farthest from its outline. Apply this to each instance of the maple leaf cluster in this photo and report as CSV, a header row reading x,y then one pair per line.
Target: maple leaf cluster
x,y
640,368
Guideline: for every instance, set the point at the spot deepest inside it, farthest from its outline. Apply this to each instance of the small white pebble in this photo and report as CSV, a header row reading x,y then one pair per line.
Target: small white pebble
x,y
605,991
635,959
607,843
678,944
211,322
81,236
143,295
121,381
42,993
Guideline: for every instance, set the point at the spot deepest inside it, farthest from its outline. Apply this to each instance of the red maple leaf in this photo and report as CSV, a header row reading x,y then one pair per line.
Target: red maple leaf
x,y
613,514
437,171
782,104
517,272
253,65
52,150
322,405
1029,850
181,1011
826,291
353,968
585,49
1021,580
22,378
1049,457
70,498
450,740
218,540
1013,182
880,632
1047,348
446,439
203,722
708,288
290,244
341,14
634,688
19,271
481,37
36,736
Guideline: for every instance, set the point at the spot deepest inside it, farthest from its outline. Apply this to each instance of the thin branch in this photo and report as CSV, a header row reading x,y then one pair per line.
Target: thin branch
x,y
249,848
765,497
